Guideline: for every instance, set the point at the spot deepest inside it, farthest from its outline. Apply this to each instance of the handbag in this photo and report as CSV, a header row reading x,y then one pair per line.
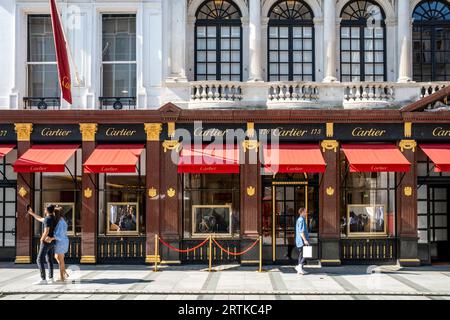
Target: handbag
x,y
307,251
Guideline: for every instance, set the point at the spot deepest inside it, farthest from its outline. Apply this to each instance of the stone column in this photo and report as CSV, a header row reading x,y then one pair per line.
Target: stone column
x,y
89,198
329,40
178,43
404,42
407,208
329,218
153,196
24,197
255,73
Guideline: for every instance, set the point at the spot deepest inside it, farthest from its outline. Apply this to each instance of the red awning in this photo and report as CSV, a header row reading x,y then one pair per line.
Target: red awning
x,y
439,154
5,149
45,158
209,159
113,158
375,158
296,158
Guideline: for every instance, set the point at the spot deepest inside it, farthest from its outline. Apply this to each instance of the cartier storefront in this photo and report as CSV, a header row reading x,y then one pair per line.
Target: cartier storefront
x,y
374,183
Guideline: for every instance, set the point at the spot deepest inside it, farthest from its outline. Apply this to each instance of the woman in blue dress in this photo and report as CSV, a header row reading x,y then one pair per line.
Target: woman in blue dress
x,y
62,242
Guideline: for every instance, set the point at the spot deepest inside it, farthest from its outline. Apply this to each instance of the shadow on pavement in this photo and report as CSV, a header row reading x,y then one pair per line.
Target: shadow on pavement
x,y
113,281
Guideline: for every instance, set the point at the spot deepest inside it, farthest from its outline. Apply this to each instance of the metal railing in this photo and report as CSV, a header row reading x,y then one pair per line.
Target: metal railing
x,y
366,251
117,103
42,103
121,249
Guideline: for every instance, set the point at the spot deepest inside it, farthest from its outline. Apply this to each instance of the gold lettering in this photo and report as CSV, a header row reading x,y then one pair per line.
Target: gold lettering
x,y
113,132
213,132
360,132
47,132
441,132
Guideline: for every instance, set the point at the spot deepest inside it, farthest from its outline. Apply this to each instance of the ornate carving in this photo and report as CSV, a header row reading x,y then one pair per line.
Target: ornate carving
x,y
87,193
250,145
330,191
23,131
408,129
250,191
171,129
330,130
22,192
171,145
329,145
250,129
408,191
88,131
152,192
171,192
407,145
153,131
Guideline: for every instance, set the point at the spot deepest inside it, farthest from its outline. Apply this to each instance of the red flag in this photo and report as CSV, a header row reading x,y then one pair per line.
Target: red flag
x,y
61,54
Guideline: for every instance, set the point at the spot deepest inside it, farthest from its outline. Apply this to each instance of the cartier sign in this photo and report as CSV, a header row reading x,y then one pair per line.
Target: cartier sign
x,y
209,131
55,133
116,133
290,132
431,131
7,133
368,132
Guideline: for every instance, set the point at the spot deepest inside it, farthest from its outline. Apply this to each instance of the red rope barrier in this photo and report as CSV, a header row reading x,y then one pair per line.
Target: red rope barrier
x,y
181,250
236,253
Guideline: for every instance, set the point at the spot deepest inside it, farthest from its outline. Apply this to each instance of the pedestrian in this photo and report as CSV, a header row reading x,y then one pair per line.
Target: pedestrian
x,y
62,243
46,249
301,239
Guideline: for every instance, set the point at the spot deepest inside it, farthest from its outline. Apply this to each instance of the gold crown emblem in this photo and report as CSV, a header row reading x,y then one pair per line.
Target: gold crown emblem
x,y
330,191
88,193
408,191
250,191
22,192
171,192
152,192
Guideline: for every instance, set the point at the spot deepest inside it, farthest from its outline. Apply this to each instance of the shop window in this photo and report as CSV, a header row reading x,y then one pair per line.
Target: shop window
x,y
218,41
211,205
119,55
368,206
7,200
431,41
63,190
363,42
41,62
291,42
122,202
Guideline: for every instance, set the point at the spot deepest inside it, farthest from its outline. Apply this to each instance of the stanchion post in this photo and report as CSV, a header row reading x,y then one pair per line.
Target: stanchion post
x,y
155,269
260,254
210,253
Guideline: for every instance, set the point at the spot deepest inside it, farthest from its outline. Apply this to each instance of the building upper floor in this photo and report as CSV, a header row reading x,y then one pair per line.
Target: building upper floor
x,y
226,53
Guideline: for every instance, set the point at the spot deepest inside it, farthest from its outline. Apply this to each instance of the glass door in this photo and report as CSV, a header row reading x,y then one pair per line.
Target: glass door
x,y
287,199
438,223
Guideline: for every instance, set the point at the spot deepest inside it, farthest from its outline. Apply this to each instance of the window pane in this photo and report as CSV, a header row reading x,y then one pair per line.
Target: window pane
x,y
41,47
43,81
119,37
119,80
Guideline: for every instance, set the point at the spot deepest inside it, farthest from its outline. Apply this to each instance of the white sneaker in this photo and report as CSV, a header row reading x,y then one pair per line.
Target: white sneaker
x,y
40,282
298,268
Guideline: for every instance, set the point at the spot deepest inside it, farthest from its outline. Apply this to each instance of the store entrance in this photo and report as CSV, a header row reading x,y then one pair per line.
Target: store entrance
x,y
281,202
439,208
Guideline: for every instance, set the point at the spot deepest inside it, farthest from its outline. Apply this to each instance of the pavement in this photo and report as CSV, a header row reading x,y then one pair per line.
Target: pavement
x,y
229,282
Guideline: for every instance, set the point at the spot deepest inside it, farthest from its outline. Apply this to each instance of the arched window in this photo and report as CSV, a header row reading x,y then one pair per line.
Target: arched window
x,y
431,41
363,42
218,41
291,42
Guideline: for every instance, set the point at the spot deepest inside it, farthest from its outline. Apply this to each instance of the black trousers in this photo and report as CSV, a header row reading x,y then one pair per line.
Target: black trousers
x,y
46,253
301,260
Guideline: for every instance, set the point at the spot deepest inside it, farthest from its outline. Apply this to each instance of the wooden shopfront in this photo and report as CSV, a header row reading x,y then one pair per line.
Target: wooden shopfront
x,y
126,176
